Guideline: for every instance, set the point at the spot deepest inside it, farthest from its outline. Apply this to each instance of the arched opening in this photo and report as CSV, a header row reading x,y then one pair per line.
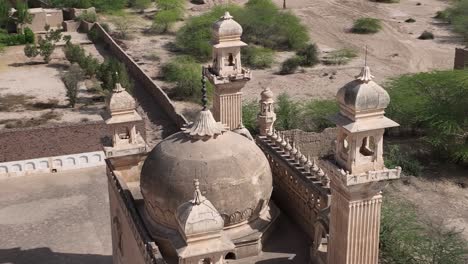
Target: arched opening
x,y
230,255
231,60
367,146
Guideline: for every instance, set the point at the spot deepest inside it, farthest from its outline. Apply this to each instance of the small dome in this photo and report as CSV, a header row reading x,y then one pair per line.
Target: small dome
x,y
266,95
363,94
227,28
233,170
198,216
120,101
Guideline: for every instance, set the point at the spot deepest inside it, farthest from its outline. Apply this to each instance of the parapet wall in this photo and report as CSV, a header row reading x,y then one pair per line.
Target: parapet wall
x,y
138,74
298,189
461,59
57,139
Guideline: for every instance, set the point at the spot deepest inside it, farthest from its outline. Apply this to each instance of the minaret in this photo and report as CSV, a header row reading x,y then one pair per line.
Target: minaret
x,y
267,117
226,72
357,173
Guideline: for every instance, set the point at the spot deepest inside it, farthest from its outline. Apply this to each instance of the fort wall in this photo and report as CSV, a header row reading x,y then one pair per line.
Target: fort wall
x,y
312,143
137,73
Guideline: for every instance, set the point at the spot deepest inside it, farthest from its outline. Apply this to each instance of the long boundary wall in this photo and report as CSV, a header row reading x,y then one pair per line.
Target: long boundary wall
x,y
137,73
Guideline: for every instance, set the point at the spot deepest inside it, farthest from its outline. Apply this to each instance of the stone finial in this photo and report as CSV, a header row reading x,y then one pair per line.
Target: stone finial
x,y
274,135
279,139
118,88
365,75
204,126
226,16
320,173
315,168
308,164
293,151
325,181
198,198
284,143
288,146
303,160
298,155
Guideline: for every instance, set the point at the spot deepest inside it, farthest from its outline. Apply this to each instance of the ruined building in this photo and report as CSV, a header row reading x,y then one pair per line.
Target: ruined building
x,y
213,194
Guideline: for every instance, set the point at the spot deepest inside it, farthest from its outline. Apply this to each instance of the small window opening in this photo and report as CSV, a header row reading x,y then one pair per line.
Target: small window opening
x,y
206,261
230,255
367,147
231,60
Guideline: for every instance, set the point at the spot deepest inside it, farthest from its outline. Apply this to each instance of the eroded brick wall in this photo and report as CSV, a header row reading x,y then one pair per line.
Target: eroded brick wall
x,y
57,139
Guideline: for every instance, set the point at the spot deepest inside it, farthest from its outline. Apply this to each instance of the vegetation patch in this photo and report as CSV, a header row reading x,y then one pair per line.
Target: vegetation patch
x,y
310,115
186,73
257,57
339,57
366,25
406,239
263,24
170,11
308,55
290,65
434,102
395,157
457,15
426,35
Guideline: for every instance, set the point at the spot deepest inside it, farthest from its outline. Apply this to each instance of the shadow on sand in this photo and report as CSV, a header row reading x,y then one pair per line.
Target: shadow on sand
x,y
46,256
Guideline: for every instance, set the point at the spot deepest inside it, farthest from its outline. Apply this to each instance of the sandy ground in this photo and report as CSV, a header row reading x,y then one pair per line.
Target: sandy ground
x,y
56,218
41,83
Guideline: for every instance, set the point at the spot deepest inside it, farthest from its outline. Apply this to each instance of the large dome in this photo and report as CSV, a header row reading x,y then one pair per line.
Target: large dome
x,y
232,170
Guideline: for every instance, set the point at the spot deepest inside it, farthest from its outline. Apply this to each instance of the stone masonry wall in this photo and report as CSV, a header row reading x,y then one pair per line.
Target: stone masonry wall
x,y
314,144
461,59
57,139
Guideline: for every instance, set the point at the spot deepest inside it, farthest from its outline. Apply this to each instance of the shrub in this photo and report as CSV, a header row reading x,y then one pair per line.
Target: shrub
x,y
94,35
30,51
308,55
436,103
141,4
4,13
164,19
74,53
290,65
288,112
457,15
443,15
12,39
185,72
2,48
257,57
28,35
339,57
249,116
263,23
106,27
88,17
404,239
315,113
426,35
366,25
71,80
109,5
90,65
395,157
122,26
112,71
410,20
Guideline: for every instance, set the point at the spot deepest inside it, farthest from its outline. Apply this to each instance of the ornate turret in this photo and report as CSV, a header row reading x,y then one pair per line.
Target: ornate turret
x,y
267,117
357,173
226,72
122,120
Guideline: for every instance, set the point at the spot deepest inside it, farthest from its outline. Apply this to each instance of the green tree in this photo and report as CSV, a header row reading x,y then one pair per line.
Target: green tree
x,y
71,79
4,13
164,19
22,15
437,103
287,112
308,55
367,25
30,51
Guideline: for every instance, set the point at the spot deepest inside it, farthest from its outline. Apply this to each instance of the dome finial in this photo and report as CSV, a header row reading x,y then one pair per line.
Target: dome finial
x,y
227,16
204,97
365,75
198,198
